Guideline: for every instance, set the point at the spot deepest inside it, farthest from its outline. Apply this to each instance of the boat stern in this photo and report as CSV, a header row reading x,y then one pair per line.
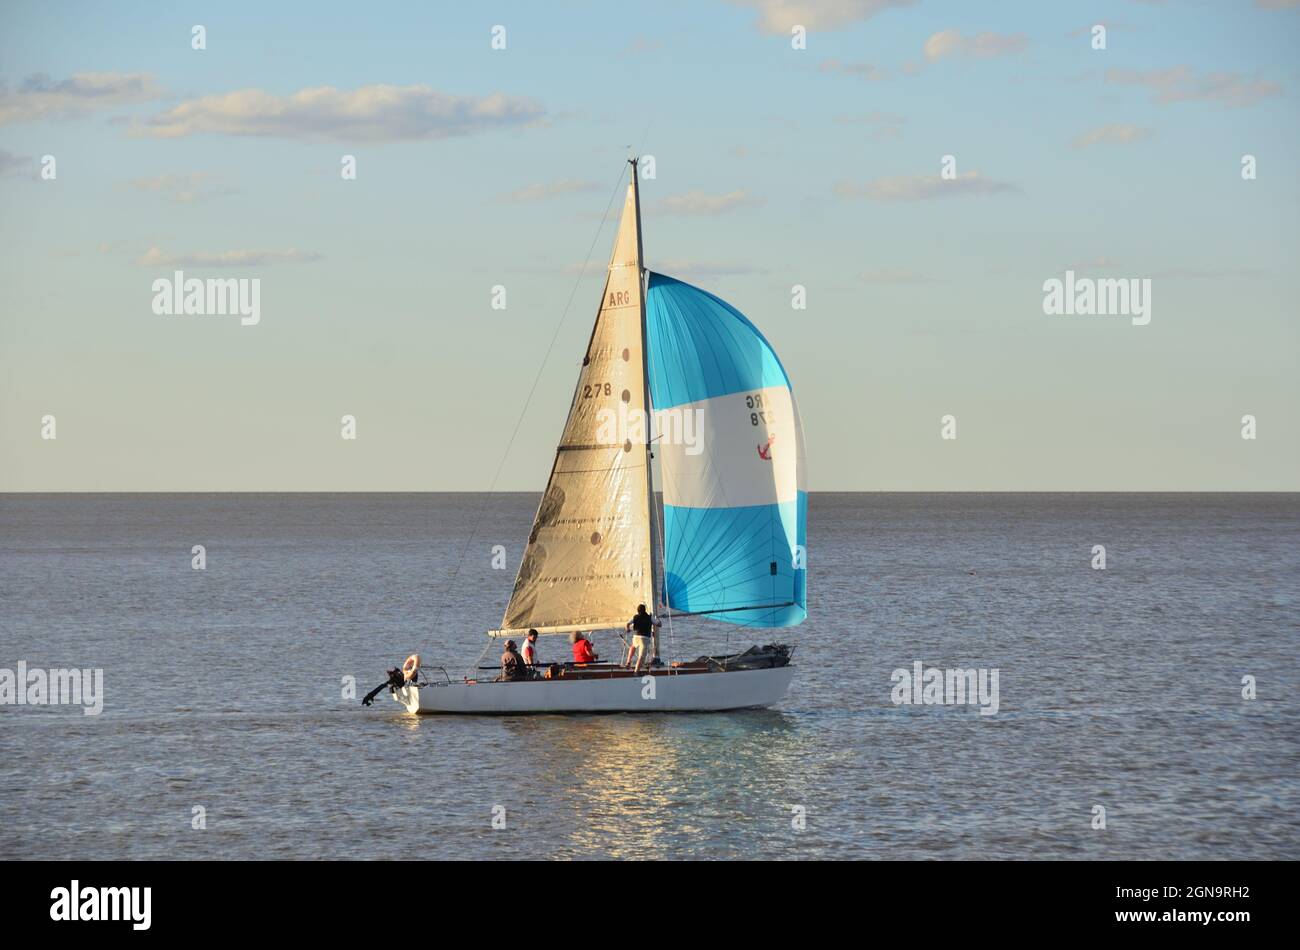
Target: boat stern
x,y
408,697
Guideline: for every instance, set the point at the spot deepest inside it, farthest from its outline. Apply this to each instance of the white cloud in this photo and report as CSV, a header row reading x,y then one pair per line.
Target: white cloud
x,y
40,97
980,46
699,203
895,275
925,187
375,113
678,267
156,258
642,44
12,163
884,125
1278,4
1099,263
1110,25
1209,273
1115,133
182,188
860,70
778,16
540,192
1182,84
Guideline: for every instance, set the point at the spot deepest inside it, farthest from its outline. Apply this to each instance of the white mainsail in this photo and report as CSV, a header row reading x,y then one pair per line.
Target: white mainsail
x,y
589,558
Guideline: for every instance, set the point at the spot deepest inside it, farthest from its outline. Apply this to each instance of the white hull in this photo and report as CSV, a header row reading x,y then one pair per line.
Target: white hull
x,y
681,692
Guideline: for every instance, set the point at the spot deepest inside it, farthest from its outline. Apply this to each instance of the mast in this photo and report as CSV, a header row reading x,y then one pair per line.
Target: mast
x,y
645,378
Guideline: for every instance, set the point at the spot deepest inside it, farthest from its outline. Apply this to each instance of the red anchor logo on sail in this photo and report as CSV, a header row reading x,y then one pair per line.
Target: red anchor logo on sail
x,y
765,451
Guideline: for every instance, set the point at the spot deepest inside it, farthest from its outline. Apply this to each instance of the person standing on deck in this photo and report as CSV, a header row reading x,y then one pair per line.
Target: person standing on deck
x,y
644,629
530,648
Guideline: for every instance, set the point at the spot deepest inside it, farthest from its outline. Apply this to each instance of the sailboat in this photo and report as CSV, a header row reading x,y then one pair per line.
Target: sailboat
x,y
733,525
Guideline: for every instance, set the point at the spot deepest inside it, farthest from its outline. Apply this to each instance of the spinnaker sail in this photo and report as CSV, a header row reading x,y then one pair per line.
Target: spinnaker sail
x,y
732,464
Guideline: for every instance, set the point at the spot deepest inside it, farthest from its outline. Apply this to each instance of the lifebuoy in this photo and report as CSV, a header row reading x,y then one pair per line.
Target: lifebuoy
x,y
411,667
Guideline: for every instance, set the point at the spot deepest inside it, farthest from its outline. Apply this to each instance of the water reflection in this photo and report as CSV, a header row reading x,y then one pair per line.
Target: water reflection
x,y
639,786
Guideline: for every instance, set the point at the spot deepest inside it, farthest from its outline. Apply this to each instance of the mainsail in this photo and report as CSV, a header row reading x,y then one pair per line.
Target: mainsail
x,y
731,457
588,562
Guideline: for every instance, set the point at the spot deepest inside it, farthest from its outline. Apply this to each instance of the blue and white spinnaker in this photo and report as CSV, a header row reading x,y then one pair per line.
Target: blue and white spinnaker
x,y
731,458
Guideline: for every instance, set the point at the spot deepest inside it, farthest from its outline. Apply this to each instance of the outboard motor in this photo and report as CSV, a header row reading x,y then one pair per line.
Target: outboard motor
x,y
394,682
398,677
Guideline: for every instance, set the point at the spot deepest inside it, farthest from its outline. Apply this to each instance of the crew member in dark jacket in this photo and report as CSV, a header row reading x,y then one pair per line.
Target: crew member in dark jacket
x,y
513,667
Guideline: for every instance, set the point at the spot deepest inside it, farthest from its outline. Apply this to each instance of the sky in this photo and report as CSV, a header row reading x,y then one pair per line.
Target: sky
x,y
776,163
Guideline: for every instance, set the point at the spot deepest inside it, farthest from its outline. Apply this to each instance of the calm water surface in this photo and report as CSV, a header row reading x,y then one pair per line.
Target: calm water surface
x,y
1119,688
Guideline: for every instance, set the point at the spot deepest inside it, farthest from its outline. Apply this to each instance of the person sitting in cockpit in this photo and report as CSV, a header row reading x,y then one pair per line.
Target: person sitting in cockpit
x,y
582,649
513,667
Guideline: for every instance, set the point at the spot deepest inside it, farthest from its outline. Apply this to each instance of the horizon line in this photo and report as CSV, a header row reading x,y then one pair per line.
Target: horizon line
x,y
825,491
